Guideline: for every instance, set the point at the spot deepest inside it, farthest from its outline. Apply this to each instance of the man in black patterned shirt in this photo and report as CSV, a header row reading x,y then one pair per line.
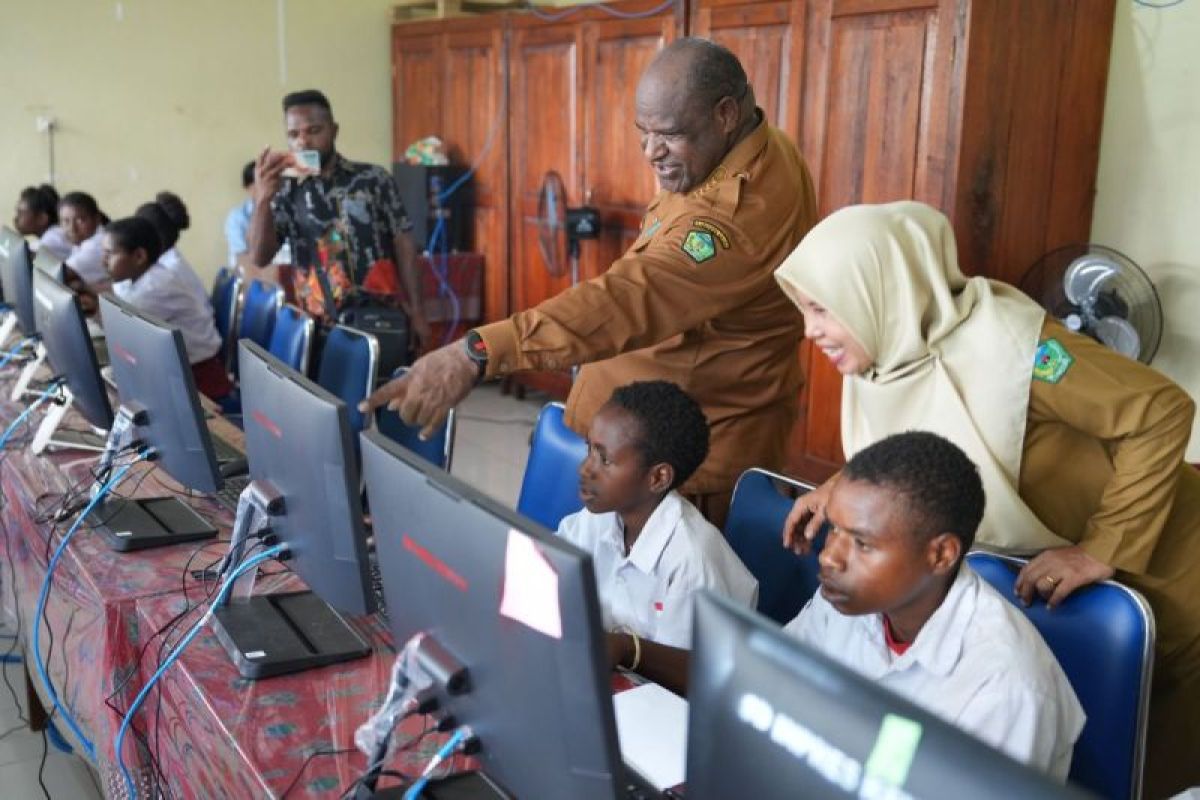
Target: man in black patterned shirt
x,y
347,221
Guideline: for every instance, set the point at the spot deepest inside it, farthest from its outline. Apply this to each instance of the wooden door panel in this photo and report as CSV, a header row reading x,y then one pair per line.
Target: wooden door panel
x,y
766,38
544,93
873,120
475,121
617,180
416,72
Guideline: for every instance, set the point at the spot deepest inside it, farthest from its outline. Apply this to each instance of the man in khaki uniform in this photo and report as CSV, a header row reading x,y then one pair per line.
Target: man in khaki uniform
x,y
693,301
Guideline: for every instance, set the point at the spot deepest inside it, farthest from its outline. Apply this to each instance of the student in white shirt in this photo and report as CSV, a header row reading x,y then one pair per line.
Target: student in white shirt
x,y
899,605
170,218
652,549
37,217
131,251
83,222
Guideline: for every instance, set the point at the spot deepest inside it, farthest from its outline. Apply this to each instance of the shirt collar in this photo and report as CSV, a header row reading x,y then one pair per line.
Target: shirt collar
x,y
939,643
655,535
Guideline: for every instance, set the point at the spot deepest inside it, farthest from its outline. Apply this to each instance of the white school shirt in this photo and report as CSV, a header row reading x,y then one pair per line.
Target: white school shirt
x,y
55,242
174,261
977,663
87,260
170,296
677,553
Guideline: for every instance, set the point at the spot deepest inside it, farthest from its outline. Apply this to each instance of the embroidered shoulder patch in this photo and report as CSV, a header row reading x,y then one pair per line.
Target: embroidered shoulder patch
x,y
699,223
1051,361
699,246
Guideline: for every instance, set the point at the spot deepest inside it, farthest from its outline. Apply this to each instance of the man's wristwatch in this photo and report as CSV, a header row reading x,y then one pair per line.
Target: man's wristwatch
x,y
477,352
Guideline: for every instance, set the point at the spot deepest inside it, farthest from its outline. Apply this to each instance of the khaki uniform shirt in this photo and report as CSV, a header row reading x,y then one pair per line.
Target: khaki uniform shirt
x,y
1103,467
693,301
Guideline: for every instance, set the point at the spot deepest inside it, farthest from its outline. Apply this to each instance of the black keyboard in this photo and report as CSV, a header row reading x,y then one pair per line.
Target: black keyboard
x,y
224,451
377,587
227,496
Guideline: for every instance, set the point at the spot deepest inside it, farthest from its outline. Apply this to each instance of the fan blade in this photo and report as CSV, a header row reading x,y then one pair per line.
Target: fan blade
x,y
1118,334
1086,276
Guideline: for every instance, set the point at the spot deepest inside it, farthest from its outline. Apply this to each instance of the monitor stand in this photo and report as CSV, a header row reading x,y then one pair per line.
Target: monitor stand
x,y
144,522
129,523
49,436
39,356
276,634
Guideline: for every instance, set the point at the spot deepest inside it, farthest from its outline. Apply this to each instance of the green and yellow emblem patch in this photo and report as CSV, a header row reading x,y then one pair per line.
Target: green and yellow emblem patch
x,y
699,246
1051,361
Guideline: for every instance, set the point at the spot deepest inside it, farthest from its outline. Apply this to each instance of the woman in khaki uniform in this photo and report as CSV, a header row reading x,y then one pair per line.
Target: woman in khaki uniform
x,y
1080,449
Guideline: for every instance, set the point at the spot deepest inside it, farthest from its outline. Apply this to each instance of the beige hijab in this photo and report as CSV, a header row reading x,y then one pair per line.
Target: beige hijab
x,y
951,355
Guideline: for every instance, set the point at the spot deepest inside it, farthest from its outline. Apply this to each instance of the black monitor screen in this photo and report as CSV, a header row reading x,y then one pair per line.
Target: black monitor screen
x,y
540,703
298,440
16,279
69,348
769,717
152,373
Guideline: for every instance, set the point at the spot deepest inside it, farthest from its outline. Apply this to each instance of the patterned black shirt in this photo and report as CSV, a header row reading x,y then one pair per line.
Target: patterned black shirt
x,y
345,223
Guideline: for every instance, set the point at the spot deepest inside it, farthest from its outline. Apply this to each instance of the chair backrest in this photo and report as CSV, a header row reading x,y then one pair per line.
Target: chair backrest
x,y
550,488
291,340
259,309
347,369
1103,636
437,449
226,292
754,529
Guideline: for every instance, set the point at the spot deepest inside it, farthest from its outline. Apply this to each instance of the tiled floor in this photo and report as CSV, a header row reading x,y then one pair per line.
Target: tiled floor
x,y
490,451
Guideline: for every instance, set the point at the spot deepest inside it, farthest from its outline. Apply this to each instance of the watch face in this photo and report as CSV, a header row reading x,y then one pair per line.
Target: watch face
x,y
476,347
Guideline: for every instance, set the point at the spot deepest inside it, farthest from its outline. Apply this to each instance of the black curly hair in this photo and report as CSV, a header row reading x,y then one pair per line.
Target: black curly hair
x,y
42,200
673,429
169,216
938,481
131,233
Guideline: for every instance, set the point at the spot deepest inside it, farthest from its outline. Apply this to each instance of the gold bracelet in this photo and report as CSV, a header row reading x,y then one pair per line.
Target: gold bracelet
x,y
637,646
637,652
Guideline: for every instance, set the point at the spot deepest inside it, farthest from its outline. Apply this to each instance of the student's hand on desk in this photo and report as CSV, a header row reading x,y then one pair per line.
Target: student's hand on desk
x,y
433,385
1055,573
806,517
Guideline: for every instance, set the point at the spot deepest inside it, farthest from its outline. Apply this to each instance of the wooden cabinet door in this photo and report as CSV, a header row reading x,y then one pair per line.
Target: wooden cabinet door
x,y
475,127
768,38
616,178
416,81
449,81
873,103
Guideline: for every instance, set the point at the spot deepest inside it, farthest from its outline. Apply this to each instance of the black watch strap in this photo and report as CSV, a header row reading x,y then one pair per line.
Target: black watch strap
x,y
477,352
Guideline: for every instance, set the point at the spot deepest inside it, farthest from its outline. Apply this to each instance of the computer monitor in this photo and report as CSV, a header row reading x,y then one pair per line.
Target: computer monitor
x,y
72,356
539,702
155,384
769,717
16,279
301,453
46,263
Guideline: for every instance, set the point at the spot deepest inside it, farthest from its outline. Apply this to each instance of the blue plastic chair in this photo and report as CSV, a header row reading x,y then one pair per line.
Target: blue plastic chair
x,y
260,306
754,529
226,291
291,340
550,488
347,369
437,449
1103,636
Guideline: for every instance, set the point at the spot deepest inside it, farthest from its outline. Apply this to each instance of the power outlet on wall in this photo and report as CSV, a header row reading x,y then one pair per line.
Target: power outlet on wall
x,y
45,123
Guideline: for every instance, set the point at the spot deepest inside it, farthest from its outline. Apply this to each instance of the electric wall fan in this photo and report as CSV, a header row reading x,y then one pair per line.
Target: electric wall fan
x,y
1101,292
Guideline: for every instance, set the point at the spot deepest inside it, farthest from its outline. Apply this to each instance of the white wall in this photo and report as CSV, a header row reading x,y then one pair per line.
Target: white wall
x,y
168,94
1148,198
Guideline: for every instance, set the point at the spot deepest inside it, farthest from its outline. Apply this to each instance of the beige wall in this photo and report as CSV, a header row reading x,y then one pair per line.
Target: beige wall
x,y
168,94
1148,200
